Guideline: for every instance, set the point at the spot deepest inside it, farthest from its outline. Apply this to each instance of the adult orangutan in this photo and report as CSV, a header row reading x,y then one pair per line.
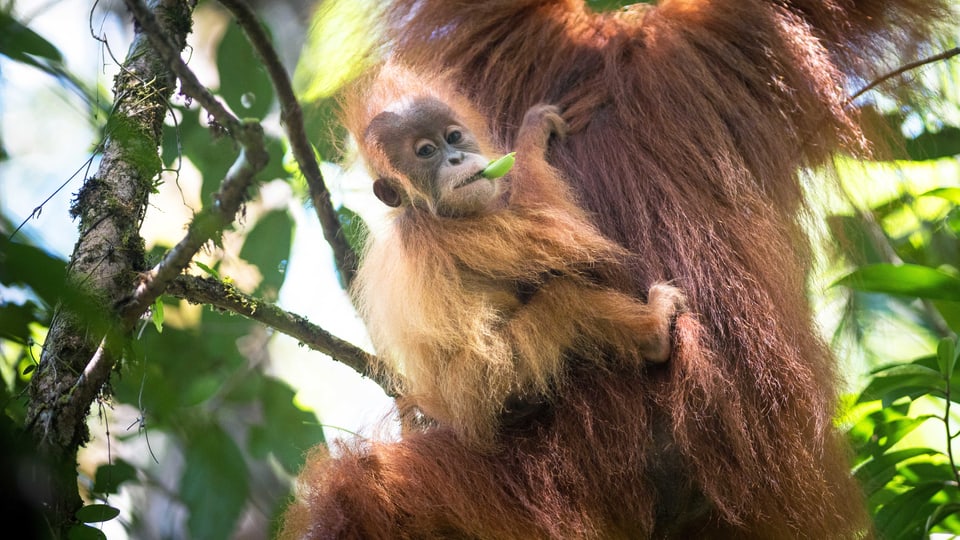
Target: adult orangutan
x,y
688,122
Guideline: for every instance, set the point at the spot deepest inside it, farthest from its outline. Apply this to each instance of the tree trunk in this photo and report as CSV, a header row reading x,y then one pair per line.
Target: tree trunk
x,y
78,357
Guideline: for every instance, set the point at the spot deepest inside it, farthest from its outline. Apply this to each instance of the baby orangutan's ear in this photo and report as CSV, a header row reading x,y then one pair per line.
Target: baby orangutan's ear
x,y
384,190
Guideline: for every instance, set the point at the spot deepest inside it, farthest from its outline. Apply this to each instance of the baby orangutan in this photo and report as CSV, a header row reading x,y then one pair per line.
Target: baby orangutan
x,y
480,289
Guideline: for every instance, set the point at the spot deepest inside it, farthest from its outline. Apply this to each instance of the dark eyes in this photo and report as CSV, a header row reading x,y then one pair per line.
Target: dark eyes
x,y
425,149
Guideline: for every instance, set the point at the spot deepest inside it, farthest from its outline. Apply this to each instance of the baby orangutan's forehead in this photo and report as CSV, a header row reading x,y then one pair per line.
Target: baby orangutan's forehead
x,y
420,114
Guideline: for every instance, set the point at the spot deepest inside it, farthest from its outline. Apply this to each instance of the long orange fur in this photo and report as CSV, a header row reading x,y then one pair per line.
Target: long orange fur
x,y
439,295
689,123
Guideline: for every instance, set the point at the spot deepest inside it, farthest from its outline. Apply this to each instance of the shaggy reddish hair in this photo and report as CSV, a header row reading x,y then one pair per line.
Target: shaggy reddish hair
x,y
689,122
474,314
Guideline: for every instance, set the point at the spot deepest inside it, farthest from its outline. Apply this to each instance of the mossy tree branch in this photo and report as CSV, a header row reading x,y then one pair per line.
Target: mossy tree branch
x,y
218,294
212,219
106,261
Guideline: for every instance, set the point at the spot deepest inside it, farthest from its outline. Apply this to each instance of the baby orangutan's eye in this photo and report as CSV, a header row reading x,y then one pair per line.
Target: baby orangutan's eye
x,y
424,148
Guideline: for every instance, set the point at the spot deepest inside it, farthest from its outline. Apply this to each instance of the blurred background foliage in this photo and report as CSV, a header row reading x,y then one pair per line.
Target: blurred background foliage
x,y
210,414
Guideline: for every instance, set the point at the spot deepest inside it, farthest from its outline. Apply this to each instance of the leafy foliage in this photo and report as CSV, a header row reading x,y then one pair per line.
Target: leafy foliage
x,y
24,45
906,266
215,465
196,392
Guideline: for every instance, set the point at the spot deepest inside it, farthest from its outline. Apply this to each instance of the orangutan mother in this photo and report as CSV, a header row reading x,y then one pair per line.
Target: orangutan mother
x,y
688,124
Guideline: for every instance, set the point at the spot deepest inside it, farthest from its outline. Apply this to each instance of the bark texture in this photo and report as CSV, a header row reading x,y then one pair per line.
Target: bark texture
x,y
105,262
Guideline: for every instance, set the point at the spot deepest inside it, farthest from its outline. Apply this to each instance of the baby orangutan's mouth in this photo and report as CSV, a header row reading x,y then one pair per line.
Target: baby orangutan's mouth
x,y
470,179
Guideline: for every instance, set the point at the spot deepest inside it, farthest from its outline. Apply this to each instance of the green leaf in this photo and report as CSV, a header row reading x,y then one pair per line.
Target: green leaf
x,y
96,513
290,431
268,247
951,194
327,134
210,154
353,227
876,473
898,370
928,145
942,512
339,47
610,5
210,271
884,433
905,280
952,221
214,484
85,532
20,43
923,471
15,321
905,516
109,477
45,275
157,314
934,145
947,355
244,82
900,381
195,363
202,386
22,264
854,239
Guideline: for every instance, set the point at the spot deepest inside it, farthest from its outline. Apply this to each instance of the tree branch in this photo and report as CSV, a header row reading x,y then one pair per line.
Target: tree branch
x,y
292,119
903,69
221,295
212,219
207,224
106,259
166,276
190,85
